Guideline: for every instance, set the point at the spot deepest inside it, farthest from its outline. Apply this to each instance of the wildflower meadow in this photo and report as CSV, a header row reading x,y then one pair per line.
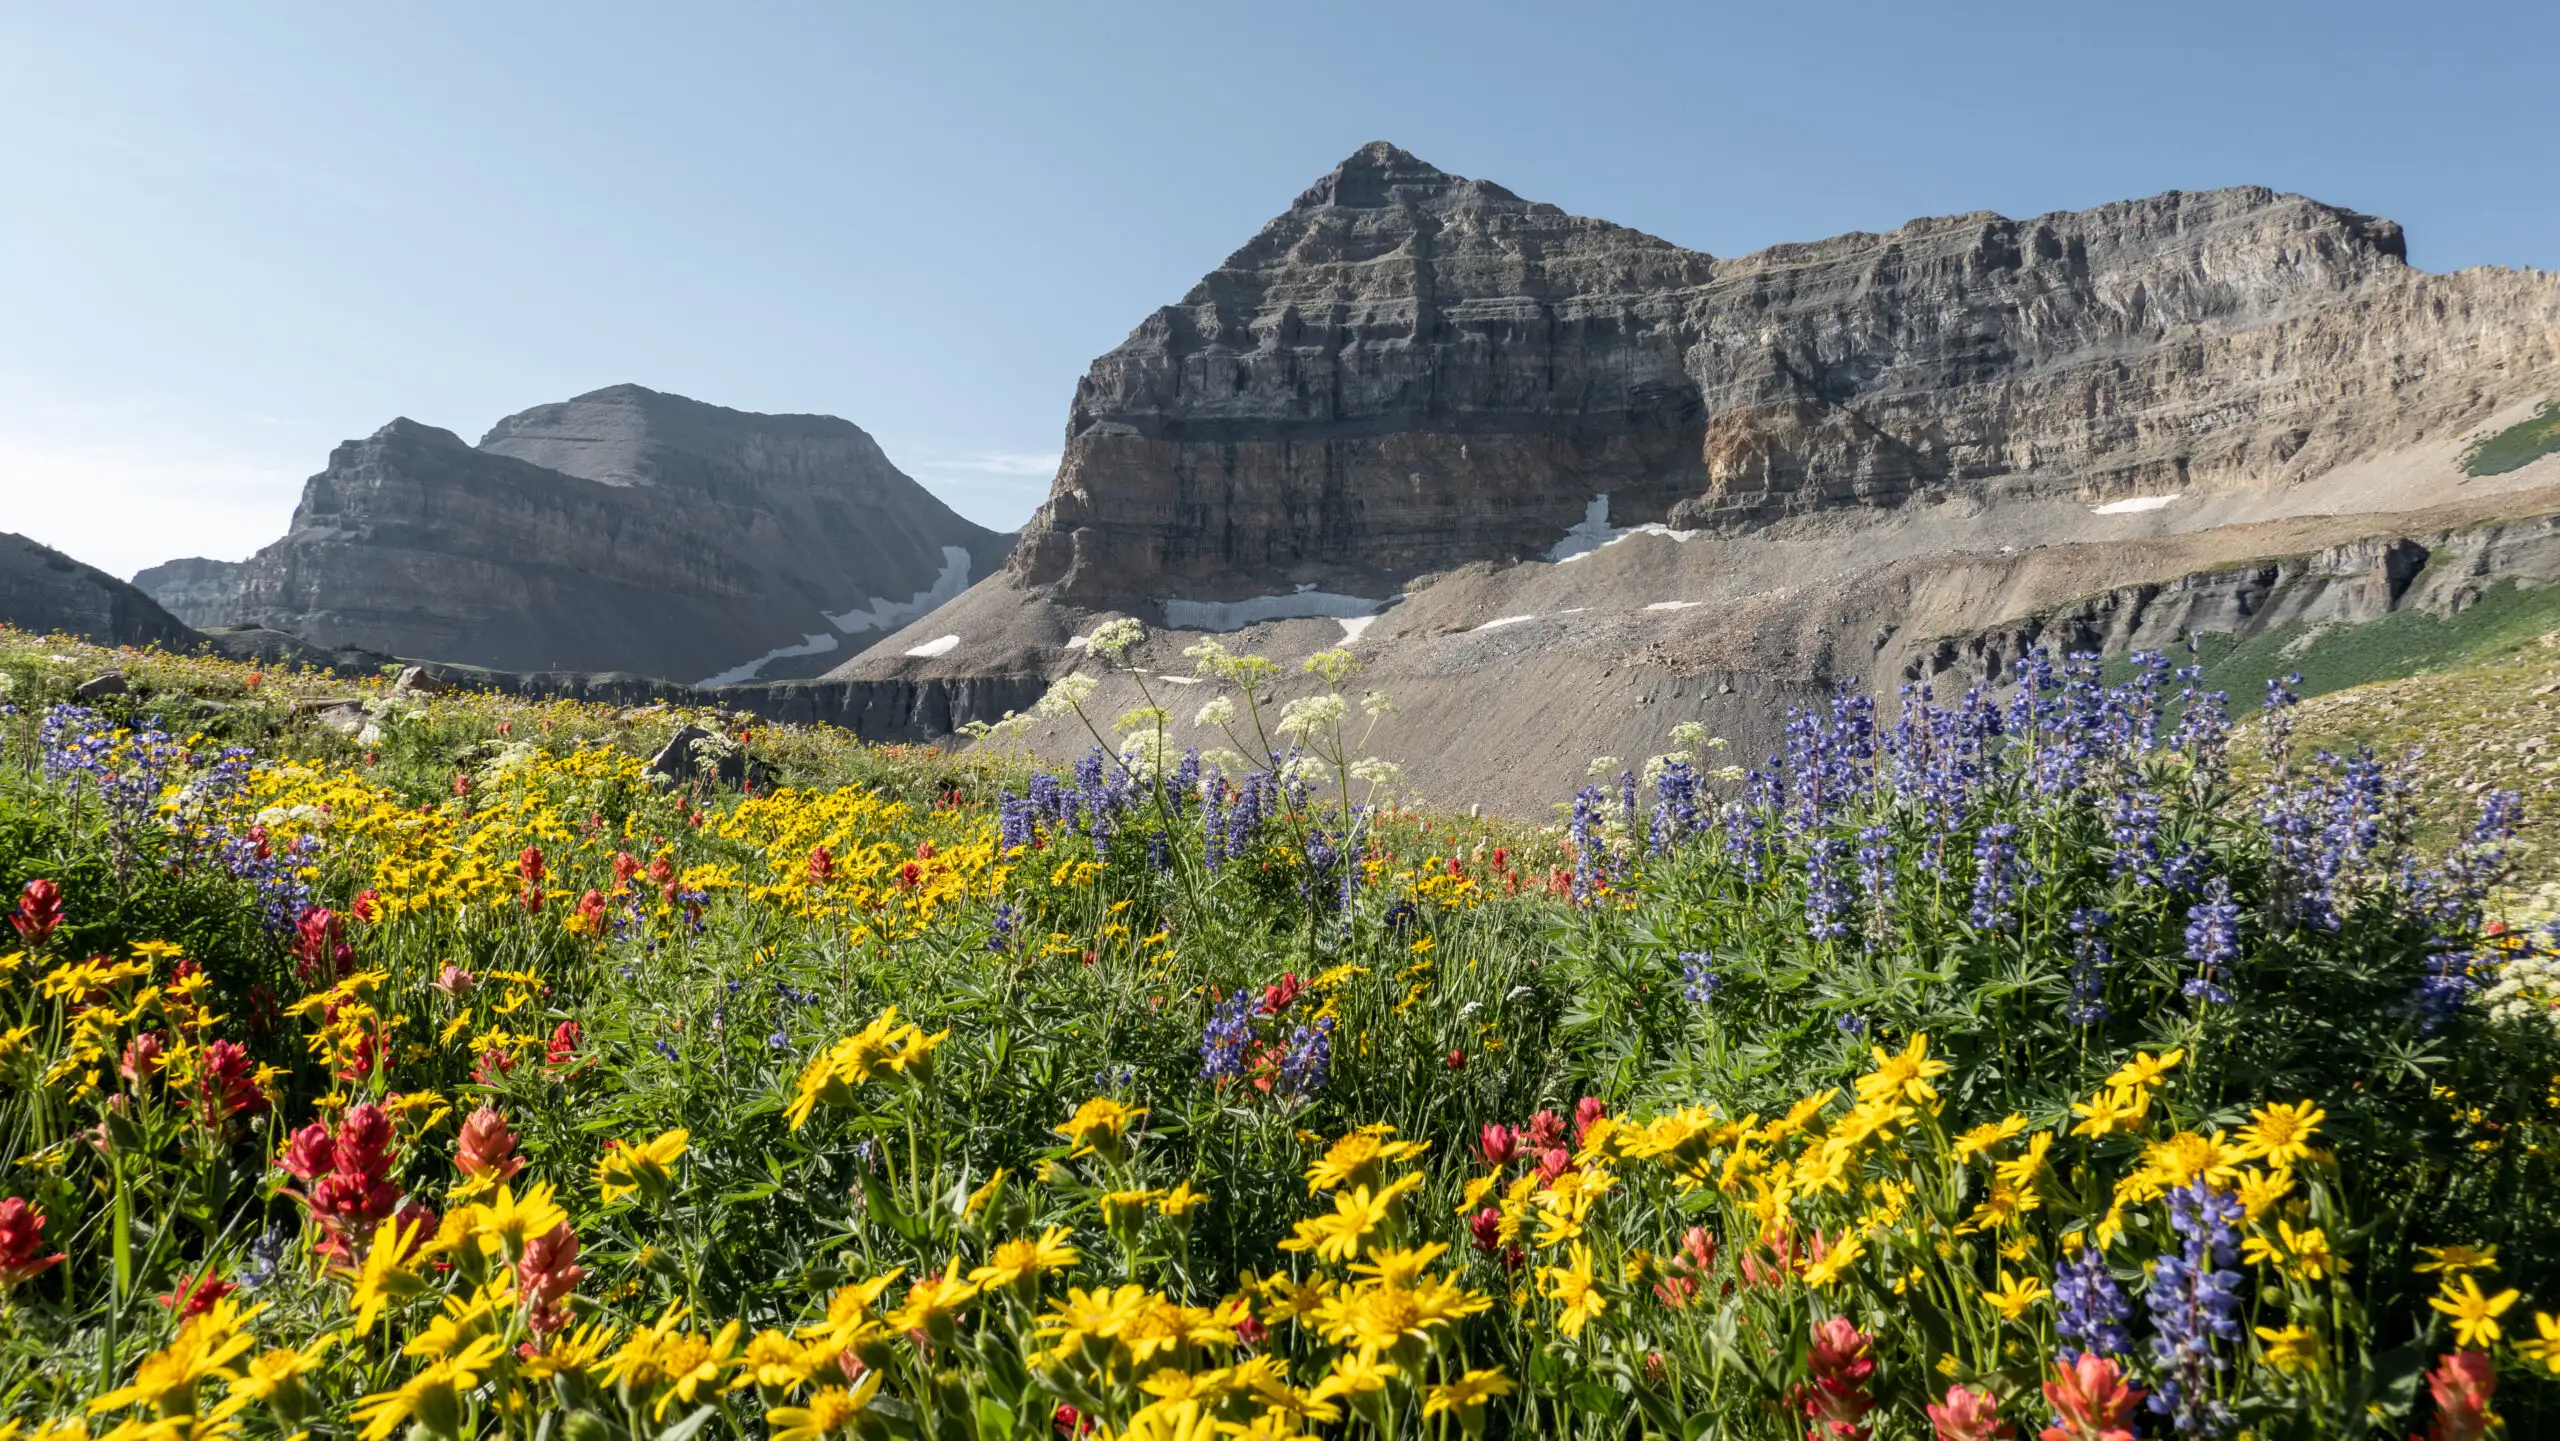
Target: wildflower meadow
x,y
2052,1061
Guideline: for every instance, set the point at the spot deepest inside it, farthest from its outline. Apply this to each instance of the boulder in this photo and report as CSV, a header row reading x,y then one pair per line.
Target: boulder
x,y
417,680
694,752
106,684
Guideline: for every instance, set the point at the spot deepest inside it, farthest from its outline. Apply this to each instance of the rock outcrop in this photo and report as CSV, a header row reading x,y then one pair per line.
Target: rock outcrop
x,y
43,591
1410,370
202,592
625,530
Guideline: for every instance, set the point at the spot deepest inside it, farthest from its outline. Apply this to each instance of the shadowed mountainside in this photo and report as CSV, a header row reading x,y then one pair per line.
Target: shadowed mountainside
x,y
625,530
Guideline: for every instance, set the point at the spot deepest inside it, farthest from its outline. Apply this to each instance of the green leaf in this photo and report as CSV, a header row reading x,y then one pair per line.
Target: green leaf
x,y
687,1428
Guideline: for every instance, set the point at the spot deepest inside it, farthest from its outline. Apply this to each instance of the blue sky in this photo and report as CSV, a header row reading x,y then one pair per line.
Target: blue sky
x,y
232,236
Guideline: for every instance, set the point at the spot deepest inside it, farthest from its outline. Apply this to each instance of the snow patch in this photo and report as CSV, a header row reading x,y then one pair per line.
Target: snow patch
x,y
1179,679
888,615
2133,505
1500,621
1305,603
1675,604
818,644
1595,533
880,615
1587,537
939,645
1353,626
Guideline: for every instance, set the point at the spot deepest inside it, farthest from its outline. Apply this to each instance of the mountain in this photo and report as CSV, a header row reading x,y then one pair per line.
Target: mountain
x,y
1563,483
43,591
625,530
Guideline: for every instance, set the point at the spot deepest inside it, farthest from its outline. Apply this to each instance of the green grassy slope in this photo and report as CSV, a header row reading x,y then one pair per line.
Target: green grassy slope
x,y
2517,446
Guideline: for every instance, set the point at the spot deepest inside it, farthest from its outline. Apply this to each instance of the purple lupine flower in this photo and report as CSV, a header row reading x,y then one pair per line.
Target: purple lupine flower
x,y
2090,1309
2194,1299
2449,982
2204,725
1826,896
1995,865
1015,821
1213,823
2089,960
2133,828
1224,1040
1745,848
2213,942
1875,862
1675,813
1698,983
1589,868
1000,928
1307,1061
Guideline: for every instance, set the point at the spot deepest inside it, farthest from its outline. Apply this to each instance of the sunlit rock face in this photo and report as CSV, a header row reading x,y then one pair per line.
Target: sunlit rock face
x,y
1409,370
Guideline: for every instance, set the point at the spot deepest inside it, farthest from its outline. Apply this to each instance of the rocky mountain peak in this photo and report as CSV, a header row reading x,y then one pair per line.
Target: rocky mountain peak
x,y
1379,175
1409,370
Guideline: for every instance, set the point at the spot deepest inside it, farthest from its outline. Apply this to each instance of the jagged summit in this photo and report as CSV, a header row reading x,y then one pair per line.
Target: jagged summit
x,y
1379,175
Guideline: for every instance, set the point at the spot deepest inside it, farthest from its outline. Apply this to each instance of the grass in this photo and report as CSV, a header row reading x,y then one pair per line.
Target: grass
x,y
2507,621
2517,446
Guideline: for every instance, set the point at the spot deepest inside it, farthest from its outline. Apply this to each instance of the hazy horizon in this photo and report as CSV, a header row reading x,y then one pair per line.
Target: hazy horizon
x,y
229,242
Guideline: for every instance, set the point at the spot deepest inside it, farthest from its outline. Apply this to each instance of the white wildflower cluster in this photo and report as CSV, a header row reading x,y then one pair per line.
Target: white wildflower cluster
x,y
1602,768
1113,638
2528,989
1070,692
1333,667
1384,778
1212,659
1143,755
1313,715
1218,712
1153,718
1013,724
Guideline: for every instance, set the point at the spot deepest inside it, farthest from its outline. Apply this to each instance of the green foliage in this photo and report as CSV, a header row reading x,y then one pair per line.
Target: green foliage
x,y
1683,978
2517,446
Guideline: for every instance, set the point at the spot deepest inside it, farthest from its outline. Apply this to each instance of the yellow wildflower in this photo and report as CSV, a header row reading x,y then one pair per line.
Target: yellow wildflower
x,y
2015,1295
646,1168
2279,1134
2475,1316
1098,1126
831,1412
1578,1291
1013,1260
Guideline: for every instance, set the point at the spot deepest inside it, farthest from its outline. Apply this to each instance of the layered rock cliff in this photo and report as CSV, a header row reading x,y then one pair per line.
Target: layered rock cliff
x,y
625,530
1409,370
200,591
1561,485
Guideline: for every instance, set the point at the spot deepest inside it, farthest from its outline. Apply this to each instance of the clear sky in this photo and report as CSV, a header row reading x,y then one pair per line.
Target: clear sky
x,y
234,235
